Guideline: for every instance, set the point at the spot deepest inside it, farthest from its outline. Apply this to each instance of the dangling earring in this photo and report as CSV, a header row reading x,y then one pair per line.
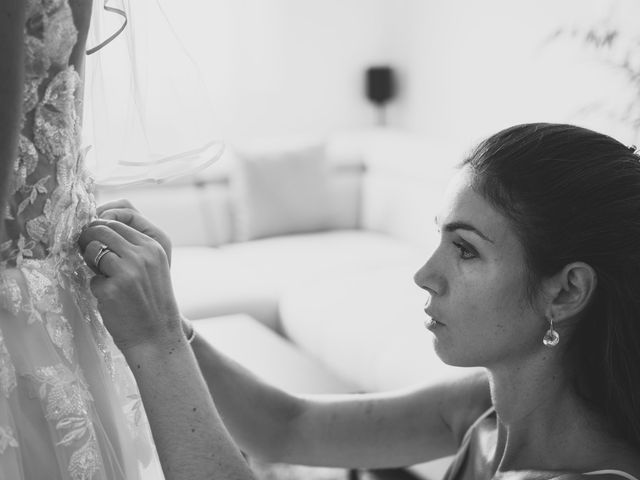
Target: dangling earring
x,y
551,337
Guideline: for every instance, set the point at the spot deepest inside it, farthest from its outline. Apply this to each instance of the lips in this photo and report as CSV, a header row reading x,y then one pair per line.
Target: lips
x,y
429,311
431,324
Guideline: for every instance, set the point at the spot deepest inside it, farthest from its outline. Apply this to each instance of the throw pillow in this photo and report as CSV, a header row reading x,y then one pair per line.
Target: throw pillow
x,y
281,193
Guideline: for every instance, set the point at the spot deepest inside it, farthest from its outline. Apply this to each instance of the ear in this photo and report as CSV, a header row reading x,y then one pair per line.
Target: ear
x,y
570,290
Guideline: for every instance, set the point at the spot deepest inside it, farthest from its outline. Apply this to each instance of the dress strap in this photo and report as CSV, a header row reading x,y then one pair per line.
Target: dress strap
x,y
473,426
620,473
463,451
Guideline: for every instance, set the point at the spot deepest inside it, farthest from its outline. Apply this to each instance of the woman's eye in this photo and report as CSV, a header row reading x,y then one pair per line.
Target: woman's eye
x,y
465,251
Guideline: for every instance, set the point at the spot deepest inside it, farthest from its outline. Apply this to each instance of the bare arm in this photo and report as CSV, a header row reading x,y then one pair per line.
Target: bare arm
x,y
136,301
191,439
258,415
360,430
11,73
391,429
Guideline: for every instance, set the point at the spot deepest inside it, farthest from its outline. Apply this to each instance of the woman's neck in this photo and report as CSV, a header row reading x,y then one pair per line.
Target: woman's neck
x,y
542,423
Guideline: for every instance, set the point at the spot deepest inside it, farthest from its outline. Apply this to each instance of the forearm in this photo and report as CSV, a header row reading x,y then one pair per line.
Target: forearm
x,y
11,74
258,415
191,440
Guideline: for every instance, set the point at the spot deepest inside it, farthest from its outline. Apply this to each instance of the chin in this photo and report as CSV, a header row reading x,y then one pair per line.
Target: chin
x,y
453,357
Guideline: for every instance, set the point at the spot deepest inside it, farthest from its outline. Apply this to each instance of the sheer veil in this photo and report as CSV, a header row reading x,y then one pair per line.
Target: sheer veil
x,y
147,117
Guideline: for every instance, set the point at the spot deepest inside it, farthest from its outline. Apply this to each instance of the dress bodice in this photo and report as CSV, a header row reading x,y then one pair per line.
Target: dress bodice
x,y
49,197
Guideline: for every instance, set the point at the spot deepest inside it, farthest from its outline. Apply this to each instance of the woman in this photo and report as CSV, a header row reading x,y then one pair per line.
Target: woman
x,y
535,279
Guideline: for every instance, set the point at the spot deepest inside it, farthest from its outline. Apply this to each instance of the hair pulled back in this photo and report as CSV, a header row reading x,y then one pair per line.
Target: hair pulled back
x,y
573,194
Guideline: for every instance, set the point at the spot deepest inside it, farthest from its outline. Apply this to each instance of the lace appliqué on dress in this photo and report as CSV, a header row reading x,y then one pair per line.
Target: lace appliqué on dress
x,y
51,196
7,439
67,404
7,370
10,294
7,385
44,305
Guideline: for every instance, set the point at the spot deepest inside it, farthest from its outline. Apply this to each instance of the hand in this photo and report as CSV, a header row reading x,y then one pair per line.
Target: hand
x,y
133,287
123,211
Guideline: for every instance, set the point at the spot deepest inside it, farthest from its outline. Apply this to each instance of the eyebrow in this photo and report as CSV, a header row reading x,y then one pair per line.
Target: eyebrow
x,y
453,226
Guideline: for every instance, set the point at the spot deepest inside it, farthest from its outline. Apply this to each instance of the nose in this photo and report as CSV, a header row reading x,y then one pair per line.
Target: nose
x,y
429,278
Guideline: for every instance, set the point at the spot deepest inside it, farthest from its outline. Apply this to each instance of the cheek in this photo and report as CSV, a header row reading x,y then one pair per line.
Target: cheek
x,y
494,301
490,323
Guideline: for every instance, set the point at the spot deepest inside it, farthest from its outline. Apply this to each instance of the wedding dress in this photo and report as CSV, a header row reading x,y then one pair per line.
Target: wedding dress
x,y
69,406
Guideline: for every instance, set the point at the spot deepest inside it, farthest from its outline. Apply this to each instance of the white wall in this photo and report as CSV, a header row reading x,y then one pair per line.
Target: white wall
x,y
465,67
473,67
286,66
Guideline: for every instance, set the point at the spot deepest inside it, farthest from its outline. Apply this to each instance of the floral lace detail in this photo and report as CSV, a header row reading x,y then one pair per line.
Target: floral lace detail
x,y
51,191
135,412
51,35
7,370
26,164
61,334
67,404
43,282
78,275
128,389
7,439
57,119
10,294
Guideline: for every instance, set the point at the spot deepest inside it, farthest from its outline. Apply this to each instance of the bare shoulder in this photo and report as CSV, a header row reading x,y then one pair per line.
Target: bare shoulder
x,y
460,401
466,400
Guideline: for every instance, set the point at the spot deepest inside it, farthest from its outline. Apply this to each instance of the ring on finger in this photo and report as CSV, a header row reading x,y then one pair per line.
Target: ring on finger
x,y
101,253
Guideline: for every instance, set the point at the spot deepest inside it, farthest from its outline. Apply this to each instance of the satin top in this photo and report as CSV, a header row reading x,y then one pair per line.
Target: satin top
x,y
476,451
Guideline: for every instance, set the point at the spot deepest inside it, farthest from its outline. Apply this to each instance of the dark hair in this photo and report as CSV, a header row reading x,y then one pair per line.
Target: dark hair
x,y
573,194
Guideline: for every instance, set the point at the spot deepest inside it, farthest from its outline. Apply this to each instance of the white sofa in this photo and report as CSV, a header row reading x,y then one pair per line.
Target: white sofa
x,y
344,294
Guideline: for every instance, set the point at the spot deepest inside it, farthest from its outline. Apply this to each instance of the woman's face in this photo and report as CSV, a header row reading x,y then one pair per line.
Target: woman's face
x,y
477,279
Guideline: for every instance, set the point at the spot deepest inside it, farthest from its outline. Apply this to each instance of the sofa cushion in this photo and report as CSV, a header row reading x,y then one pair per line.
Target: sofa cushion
x,y
281,193
366,326
249,277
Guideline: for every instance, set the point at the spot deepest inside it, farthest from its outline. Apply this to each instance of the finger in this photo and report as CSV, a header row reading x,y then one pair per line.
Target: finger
x,y
95,285
121,203
130,234
102,288
138,222
107,236
133,219
124,215
101,259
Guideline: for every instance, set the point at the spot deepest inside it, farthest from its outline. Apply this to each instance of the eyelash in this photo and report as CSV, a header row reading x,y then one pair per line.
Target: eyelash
x,y
466,252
